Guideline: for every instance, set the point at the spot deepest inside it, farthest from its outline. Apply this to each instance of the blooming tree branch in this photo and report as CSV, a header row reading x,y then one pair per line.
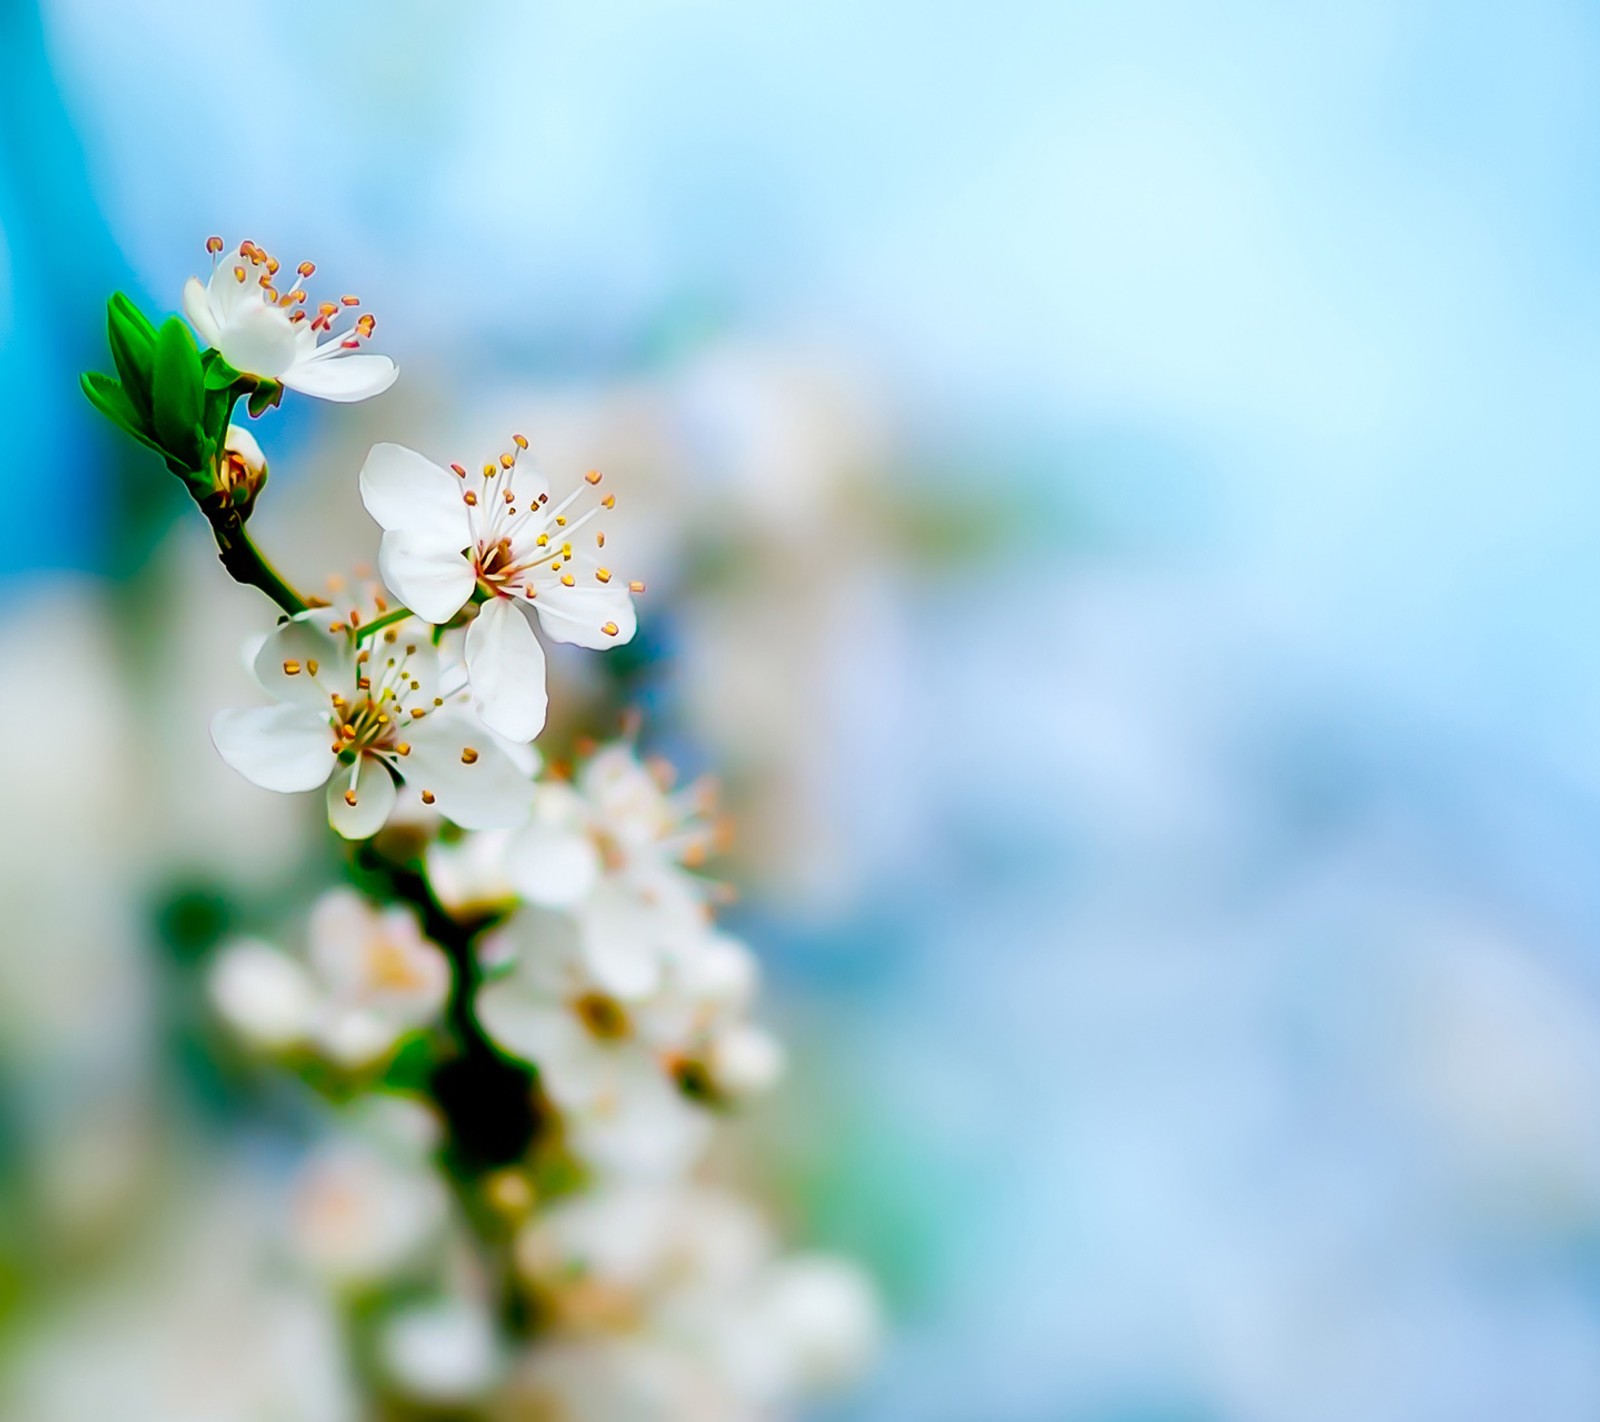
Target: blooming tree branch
x,y
527,961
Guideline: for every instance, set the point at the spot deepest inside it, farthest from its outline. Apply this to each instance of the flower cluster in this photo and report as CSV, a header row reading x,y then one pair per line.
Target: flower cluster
x,y
519,998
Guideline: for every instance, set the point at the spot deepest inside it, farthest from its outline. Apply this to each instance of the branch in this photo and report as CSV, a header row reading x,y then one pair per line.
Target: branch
x,y
241,557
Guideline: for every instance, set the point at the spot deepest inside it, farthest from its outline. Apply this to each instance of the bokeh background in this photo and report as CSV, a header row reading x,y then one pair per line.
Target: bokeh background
x,y
1117,485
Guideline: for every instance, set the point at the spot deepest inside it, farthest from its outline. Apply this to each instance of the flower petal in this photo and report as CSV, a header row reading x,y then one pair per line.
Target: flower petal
x,y
197,307
430,577
552,863
580,615
403,490
539,1032
258,340
283,748
265,996
624,940
323,662
473,782
506,665
374,795
343,379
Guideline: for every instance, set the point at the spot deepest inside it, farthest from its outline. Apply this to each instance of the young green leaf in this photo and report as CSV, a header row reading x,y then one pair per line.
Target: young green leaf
x,y
128,312
111,400
133,350
178,391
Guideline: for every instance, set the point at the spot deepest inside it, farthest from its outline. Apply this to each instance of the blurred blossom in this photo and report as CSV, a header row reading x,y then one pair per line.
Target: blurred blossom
x,y
440,1352
369,976
367,1206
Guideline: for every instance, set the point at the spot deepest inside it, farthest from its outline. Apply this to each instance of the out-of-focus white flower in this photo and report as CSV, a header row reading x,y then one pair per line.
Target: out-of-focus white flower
x,y
371,977
439,1352
358,715
369,1204
694,1272
619,1254
268,333
614,848
468,875
616,1379
811,1324
615,1067
448,533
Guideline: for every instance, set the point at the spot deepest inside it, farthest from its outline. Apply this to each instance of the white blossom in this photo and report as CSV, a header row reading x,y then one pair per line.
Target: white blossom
x,y
615,849
362,715
691,1274
368,1204
622,1071
449,534
369,977
440,1351
270,334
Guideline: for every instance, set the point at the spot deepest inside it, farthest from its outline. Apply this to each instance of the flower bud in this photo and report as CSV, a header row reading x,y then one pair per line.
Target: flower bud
x,y
241,467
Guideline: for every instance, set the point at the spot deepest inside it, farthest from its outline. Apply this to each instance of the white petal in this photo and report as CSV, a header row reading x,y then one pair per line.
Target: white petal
x,y
264,995
304,642
473,782
746,1060
538,1032
623,941
284,748
644,1127
356,1038
197,307
401,489
374,796
337,930
258,340
430,577
581,614
506,665
552,864
343,379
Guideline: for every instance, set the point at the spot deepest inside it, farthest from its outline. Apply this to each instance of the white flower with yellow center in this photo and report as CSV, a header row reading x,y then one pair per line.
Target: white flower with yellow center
x,y
369,977
450,535
270,333
362,714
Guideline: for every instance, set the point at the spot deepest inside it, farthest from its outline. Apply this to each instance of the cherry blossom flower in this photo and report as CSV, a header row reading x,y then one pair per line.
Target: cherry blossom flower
x,y
270,333
450,537
369,976
361,715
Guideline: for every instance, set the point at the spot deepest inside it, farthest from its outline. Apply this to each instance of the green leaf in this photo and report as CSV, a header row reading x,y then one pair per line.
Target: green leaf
x,y
132,348
179,392
129,313
111,400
